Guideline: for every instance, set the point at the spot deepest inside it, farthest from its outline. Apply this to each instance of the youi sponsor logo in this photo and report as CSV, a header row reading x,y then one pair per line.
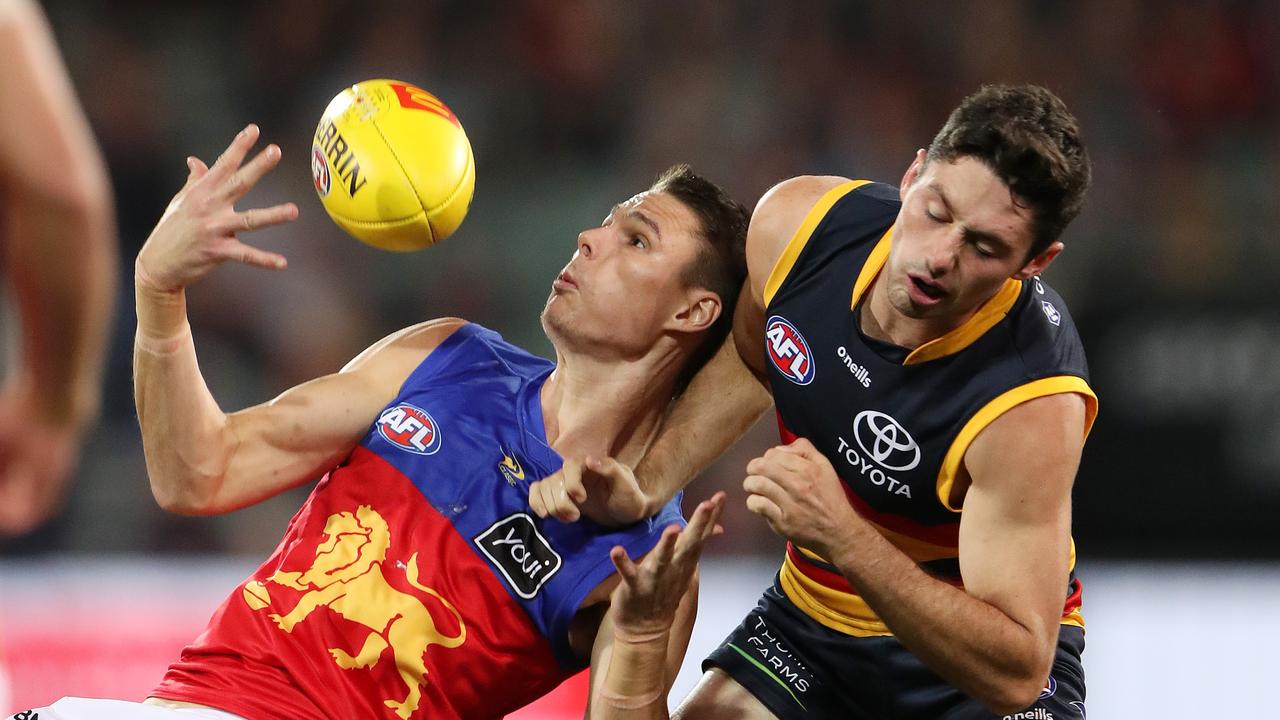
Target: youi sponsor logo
x,y
520,552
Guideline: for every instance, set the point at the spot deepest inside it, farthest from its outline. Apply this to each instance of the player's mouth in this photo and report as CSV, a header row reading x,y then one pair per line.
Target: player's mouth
x,y
924,291
564,281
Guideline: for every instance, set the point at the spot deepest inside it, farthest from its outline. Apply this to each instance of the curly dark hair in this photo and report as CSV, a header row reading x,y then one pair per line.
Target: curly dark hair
x,y
1026,135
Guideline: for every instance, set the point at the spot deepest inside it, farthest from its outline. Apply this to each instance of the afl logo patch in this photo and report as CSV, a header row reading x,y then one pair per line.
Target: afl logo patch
x,y
319,171
788,350
409,427
1050,688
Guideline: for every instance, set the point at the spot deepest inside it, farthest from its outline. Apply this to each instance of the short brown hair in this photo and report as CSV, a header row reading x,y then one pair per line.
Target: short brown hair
x,y
721,261
1028,138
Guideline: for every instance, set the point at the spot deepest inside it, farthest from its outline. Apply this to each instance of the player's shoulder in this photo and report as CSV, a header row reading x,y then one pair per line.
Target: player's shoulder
x,y
408,345
784,206
1043,331
798,195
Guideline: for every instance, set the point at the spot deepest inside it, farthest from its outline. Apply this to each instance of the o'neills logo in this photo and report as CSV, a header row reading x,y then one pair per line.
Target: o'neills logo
x,y
519,551
1032,714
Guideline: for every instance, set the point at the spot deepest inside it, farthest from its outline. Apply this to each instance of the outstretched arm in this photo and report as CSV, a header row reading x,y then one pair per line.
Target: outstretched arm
x,y
643,637
200,459
57,249
722,402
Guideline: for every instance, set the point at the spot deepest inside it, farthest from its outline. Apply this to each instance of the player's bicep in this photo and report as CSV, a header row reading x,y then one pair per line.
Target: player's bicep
x,y
308,429
1015,532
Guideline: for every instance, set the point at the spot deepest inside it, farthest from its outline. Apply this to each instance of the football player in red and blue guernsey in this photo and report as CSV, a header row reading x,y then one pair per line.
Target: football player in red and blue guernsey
x,y
413,582
933,400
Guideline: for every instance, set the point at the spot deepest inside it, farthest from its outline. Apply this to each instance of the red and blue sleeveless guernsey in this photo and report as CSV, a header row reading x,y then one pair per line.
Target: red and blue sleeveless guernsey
x,y
414,582
896,424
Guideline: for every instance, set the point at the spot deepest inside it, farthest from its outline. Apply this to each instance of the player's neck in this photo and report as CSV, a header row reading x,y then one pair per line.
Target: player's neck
x,y
606,408
880,320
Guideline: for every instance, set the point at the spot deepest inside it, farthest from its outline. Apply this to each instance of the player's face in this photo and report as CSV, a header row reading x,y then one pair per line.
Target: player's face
x,y
623,287
959,236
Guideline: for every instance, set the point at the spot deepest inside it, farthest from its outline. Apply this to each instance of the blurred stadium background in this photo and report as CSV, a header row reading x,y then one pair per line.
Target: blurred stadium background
x,y
572,105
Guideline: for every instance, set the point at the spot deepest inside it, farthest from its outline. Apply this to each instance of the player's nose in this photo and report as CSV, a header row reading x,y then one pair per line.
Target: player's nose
x,y
589,243
943,252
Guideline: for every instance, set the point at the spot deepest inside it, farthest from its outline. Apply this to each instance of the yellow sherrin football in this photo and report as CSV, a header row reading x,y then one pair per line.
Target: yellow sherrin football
x,y
392,165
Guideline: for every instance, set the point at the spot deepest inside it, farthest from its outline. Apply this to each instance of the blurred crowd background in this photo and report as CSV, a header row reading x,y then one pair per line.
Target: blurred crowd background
x,y
573,105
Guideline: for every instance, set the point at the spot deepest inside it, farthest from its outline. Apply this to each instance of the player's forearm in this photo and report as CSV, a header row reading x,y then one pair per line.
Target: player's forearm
x,y
185,435
721,403
62,268
635,684
973,644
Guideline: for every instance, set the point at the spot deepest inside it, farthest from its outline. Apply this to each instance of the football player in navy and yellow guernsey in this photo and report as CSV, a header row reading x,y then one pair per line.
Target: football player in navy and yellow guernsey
x,y
413,582
933,399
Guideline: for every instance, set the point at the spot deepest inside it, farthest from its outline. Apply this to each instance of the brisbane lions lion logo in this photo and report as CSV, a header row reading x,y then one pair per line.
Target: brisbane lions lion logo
x,y
347,578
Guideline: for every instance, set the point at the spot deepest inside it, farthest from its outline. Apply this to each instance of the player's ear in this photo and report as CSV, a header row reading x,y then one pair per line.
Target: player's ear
x,y
1039,263
913,172
700,311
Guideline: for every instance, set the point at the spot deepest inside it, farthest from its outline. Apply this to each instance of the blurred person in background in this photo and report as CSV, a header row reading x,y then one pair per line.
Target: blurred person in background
x,y
933,401
57,254
57,239
416,547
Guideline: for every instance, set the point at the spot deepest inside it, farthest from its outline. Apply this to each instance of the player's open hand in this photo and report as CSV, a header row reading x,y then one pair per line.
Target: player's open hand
x,y
646,599
795,488
603,489
200,228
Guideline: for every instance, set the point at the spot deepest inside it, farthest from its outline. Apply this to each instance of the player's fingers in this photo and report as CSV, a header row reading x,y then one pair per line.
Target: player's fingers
x,y
764,485
792,462
717,508
243,180
660,557
559,504
765,508
781,468
196,169
259,218
247,254
700,519
799,446
536,503
608,468
626,569
230,159
573,485
562,507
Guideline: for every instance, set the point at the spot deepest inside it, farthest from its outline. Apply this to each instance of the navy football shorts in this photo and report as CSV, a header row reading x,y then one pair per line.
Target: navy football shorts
x,y
800,668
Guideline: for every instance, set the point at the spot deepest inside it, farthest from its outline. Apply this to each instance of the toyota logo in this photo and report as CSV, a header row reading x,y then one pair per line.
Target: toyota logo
x,y
885,441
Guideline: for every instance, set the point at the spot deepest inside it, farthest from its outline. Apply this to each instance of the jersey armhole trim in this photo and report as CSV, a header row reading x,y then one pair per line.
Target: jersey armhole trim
x,y
787,260
998,406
